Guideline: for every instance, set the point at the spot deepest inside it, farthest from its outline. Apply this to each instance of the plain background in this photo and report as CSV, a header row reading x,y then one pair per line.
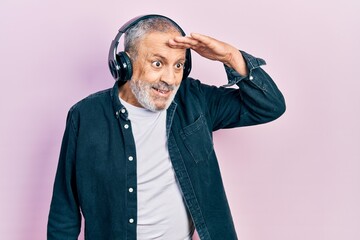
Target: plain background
x,y
296,178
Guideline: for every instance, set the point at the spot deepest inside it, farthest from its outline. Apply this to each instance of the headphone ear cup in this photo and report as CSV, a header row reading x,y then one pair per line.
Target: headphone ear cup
x,y
114,69
125,67
187,67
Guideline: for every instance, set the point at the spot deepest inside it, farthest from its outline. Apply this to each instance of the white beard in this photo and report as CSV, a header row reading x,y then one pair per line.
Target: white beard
x,y
142,91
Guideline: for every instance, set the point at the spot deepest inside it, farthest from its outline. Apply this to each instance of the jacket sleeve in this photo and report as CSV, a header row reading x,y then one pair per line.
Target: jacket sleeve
x,y
64,217
256,99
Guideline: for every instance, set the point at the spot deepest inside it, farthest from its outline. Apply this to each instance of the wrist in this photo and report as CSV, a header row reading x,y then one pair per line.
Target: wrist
x,y
237,62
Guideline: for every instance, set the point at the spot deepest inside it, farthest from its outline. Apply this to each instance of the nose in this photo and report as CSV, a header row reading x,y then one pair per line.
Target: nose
x,y
170,76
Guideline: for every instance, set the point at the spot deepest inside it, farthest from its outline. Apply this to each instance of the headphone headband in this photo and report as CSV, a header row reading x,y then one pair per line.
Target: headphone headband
x,y
120,64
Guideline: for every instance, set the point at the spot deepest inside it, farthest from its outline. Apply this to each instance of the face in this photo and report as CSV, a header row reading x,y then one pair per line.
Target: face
x,y
157,72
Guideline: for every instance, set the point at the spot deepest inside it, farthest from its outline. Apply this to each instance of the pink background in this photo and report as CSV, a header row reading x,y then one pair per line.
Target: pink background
x,y
296,178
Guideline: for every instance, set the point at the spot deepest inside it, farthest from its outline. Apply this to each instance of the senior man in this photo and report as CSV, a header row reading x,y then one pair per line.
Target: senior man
x,y
137,160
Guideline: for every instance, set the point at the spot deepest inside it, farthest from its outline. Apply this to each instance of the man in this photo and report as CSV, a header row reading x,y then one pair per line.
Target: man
x,y
137,160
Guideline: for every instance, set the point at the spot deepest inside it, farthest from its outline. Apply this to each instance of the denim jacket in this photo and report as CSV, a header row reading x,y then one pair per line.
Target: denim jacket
x,y
97,163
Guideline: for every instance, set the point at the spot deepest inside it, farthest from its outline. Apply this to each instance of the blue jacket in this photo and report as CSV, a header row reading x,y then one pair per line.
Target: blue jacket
x,y
97,163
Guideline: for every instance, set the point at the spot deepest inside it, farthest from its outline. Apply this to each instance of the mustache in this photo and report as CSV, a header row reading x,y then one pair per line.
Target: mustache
x,y
164,86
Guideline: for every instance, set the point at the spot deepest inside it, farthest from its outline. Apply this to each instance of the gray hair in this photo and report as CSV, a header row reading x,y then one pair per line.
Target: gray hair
x,y
154,24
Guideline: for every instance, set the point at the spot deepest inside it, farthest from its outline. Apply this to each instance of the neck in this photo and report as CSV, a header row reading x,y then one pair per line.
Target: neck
x,y
127,95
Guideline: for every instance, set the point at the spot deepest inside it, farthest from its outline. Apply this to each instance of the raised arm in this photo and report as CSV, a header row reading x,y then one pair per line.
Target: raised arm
x,y
256,101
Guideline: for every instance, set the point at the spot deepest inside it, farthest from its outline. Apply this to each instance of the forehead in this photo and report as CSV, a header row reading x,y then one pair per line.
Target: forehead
x,y
158,43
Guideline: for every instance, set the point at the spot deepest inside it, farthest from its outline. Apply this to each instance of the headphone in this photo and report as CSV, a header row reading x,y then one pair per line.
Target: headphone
x,y
120,63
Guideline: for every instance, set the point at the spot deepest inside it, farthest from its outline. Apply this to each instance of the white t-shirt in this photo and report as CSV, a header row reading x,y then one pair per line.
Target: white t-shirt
x,y
162,213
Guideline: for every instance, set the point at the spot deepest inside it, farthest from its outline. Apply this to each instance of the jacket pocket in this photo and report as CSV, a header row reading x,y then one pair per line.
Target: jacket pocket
x,y
197,139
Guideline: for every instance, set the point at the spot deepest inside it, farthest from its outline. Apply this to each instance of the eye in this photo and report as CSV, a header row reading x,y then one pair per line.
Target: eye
x,y
156,64
179,65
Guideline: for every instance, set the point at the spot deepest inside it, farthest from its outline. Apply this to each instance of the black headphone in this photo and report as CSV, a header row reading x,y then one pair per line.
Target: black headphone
x,y
120,63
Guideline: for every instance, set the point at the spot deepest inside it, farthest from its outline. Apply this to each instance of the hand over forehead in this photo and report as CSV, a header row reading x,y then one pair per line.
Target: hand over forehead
x,y
208,47
194,40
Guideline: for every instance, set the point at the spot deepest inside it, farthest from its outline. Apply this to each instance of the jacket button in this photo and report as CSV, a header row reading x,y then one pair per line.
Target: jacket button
x,y
131,220
131,158
126,126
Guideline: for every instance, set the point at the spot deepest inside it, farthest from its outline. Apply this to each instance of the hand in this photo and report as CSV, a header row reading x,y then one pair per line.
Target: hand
x,y
212,49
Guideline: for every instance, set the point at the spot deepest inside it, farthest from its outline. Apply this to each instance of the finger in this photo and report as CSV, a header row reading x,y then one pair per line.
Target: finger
x,y
202,38
174,44
186,40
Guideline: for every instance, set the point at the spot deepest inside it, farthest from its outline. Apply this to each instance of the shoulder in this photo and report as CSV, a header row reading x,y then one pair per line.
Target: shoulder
x,y
90,106
92,100
190,88
195,89
190,83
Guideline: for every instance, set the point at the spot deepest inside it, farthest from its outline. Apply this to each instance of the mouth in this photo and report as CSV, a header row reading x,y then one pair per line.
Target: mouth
x,y
161,92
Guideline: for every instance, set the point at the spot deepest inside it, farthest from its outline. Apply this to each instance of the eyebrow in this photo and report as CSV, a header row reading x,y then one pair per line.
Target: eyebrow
x,y
164,58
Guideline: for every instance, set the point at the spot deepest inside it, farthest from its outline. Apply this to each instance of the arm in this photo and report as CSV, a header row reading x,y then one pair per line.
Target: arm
x,y
258,100
64,216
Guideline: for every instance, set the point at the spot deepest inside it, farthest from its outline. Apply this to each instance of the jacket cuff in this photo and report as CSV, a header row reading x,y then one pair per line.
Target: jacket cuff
x,y
251,63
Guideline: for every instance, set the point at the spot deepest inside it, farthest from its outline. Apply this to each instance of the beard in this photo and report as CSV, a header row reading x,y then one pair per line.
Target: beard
x,y
143,92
